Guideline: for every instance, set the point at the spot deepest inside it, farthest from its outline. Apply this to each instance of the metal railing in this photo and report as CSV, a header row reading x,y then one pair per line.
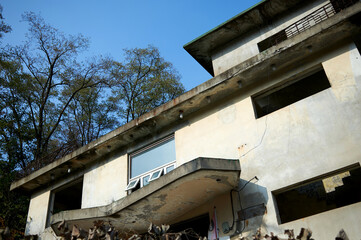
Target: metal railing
x,y
317,16
310,20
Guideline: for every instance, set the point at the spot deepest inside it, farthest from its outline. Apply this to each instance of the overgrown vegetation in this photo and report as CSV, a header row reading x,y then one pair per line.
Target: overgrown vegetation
x,y
107,231
52,103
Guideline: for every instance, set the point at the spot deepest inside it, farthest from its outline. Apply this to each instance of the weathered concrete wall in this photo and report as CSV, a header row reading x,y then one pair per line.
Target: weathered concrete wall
x,y
48,234
105,182
242,49
317,135
314,136
37,214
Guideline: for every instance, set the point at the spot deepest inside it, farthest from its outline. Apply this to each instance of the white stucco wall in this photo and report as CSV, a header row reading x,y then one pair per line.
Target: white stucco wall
x,y
317,135
105,182
246,47
37,213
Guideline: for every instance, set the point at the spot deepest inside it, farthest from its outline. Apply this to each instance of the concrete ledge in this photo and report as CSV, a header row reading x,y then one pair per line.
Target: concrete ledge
x,y
183,189
285,55
259,15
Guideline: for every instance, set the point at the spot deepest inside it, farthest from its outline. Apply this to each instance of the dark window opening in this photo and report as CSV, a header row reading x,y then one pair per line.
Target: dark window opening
x,y
331,192
271,41
339,5
68,197
198,224
282,96
358,40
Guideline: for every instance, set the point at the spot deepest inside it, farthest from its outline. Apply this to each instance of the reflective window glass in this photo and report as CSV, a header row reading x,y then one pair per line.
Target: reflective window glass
x,y
152,158
132,184
170,168
155,175
146,180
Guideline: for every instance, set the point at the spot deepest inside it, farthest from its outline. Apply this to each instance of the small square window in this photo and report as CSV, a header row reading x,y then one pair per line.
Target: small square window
x,y
67,197
155,175
132,184
168,169
145,180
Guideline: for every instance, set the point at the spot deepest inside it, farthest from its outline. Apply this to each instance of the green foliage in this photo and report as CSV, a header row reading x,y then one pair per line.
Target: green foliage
x,y
54,79
51,103
4,28
16,133
13,206
144,81
88,116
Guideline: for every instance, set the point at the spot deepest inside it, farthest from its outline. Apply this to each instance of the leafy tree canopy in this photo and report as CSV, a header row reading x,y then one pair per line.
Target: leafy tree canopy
x,y
4,28
143,81
51,103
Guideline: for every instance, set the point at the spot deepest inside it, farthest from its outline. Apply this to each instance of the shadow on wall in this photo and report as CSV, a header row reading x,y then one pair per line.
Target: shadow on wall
x,y
254,199
249,206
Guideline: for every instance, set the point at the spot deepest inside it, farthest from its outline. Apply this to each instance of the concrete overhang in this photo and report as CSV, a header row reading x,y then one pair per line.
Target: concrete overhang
x,y
286,55
261,14
172,195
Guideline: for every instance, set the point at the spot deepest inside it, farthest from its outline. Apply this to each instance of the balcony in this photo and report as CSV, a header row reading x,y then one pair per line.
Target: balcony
x,y
163,200
321,14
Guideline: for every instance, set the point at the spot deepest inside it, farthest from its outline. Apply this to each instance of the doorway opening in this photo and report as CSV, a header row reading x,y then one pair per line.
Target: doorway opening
x,y
199,225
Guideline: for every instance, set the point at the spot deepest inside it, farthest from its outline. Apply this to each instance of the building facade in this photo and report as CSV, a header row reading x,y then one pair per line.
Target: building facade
x,y
271,143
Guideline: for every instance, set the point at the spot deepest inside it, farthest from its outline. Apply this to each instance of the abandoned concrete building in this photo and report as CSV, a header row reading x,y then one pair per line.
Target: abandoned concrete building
x,y
271,142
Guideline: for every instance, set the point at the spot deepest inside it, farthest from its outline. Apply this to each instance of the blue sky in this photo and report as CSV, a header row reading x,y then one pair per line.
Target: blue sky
x,y
114,25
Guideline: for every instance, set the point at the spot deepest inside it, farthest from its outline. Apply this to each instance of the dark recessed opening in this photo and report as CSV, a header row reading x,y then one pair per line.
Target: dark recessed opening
x,y
340,5
282,96
68,197
198,224
333,191
271,41
358,41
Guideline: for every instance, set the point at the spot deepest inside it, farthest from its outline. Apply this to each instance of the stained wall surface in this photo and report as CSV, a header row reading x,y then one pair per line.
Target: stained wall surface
x,y
105,182
306,139
242,49
37,213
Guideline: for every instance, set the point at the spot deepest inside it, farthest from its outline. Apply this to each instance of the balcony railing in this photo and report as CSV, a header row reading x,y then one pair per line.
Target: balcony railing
x,y
321,14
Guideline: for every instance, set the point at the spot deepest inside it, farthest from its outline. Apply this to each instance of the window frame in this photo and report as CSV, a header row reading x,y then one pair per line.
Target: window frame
x,y
291,83
130,187
140,178
307,182
54,191
159,171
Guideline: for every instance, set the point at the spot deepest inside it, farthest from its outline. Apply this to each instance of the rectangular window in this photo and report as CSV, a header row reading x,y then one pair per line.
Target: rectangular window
x,y
67,197
150,162
282,96
322,194
271,41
